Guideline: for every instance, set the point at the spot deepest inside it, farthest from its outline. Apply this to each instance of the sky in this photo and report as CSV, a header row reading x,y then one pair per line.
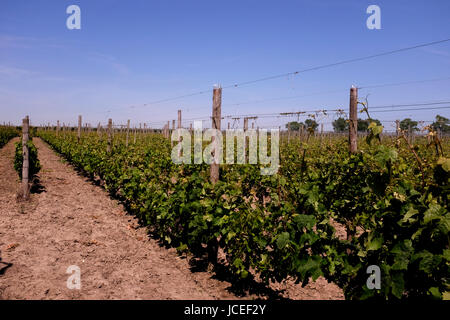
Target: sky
x,y
130,54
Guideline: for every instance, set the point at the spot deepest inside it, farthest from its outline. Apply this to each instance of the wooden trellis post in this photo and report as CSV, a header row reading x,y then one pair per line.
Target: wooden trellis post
x,y
245,139
216,118
128,132
79,128
179,127
173,129
109,136
353,127
26,157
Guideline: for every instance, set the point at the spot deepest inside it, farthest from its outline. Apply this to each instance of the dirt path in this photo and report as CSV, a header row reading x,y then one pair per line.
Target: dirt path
x,y
73,222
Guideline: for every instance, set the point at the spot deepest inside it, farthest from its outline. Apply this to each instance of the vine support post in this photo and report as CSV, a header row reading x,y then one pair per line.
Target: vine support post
x,y
128,132
397,128
245,139
168,130
26,157
216,119
173,129
109,136
179,139
79,128
353,117
321,133
57,128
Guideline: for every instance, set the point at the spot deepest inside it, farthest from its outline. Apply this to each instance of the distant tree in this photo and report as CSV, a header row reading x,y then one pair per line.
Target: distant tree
x,y
407,123
311,124
363,125
294,125
340,125
442,124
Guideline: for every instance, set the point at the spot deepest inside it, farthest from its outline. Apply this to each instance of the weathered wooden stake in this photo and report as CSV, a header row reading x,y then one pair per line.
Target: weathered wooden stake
x,y
109,136
79,128
128,132
26,157
245,139
216,118
179,127
353,127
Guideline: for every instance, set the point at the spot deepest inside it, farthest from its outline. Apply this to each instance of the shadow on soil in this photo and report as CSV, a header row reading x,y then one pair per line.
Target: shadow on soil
x,y
4,266
36,186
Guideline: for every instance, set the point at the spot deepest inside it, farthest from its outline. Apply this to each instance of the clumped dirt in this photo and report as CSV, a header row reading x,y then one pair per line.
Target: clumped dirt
x,y
70,221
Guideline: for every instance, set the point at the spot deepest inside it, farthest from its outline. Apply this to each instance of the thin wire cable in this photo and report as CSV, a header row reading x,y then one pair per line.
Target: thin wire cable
x,y
290,73
402,83
336,64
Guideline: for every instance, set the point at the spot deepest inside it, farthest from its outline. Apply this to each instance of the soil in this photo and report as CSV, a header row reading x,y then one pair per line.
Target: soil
x,y
69,221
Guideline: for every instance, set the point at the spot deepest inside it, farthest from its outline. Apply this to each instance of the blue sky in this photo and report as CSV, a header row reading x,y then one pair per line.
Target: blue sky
x,y
131,53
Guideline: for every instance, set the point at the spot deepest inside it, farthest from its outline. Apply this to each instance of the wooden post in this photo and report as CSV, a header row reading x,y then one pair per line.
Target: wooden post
x,y
216,118
397,128
179,127
321,133
409,134
79,128
245,139
109,136
134,134
57,128
173,128
26,157
128,132
353,127
168,130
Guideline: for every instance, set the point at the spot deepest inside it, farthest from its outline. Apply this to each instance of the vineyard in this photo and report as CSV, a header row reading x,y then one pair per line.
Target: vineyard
x,y
255,154
391,197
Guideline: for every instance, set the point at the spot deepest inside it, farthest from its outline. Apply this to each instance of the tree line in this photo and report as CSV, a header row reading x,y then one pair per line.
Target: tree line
x,y
441,124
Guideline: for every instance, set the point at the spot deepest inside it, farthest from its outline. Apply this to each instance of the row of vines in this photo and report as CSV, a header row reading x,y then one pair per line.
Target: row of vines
x,y
391,197
6,134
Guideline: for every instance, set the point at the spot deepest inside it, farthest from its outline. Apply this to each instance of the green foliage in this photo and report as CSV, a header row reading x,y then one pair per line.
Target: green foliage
x,y
6,134
442,124
363,125
294,125
408,124
311,124
34,164
340,125
279,226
